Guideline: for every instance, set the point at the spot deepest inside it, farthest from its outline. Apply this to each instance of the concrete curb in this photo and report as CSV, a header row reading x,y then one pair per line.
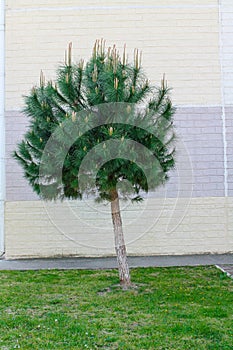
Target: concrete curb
x,y
110,262
228,269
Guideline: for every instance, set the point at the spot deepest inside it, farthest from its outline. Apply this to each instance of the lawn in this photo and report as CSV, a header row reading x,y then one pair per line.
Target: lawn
x,y
172,308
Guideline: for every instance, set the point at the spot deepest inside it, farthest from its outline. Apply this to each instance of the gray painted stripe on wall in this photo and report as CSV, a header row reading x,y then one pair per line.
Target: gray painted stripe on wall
x,y
229,136
199,128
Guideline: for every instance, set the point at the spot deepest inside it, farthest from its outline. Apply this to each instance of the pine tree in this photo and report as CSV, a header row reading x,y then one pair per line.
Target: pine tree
x,y
106,105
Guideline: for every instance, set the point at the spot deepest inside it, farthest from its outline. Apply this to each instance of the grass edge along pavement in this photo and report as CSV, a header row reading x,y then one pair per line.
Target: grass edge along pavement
x,y
172,308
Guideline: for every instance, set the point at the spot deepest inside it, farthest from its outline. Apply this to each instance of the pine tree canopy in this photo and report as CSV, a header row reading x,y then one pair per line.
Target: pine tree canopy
x,y
100,125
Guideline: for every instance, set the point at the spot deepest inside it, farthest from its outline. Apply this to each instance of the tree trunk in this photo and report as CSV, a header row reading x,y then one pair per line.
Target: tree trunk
x,y
120,248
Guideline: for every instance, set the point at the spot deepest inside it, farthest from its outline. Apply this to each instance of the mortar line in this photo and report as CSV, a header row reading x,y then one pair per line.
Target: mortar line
x,y
124,7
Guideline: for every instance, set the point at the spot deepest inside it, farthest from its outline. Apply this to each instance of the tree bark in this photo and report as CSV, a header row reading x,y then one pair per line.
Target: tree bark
x,y
120,247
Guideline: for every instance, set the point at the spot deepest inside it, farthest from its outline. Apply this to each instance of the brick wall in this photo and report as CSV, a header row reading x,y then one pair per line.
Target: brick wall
x,y
227,50
189,40
229,140
179,38
199,170
227,83
37,229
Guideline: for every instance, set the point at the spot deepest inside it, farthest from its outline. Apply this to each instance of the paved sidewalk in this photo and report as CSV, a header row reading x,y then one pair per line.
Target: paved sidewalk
x,y
110,262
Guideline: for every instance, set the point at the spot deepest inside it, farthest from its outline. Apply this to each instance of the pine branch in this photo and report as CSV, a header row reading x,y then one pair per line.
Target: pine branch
x,y
53,111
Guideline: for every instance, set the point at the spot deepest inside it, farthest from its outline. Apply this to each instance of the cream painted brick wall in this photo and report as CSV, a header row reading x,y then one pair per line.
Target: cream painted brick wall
x,y
179,38
230,220
227,50
38,229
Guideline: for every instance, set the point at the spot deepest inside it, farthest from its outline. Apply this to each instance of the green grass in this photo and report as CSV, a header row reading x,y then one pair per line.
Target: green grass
x,y
172,308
